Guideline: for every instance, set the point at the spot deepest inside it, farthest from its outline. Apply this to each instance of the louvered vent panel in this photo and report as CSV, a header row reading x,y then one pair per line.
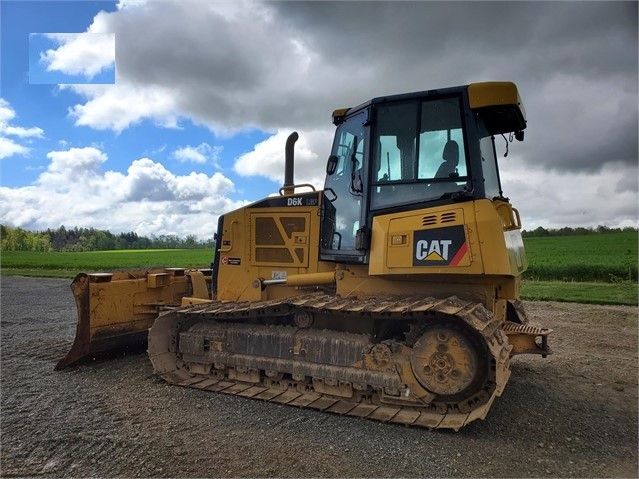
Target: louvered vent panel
x,y
430,220
448,217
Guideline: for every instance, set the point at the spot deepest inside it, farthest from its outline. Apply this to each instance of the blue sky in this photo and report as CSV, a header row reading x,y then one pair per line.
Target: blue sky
x,y
190,119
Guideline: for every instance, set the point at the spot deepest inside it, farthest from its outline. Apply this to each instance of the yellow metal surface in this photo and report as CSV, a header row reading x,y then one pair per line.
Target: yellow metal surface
x,y
280,238
116,309
190,301
269,243
493,94
158,280
526,339
311,279
339,114
354,281
493,240
198,284
500,242
127,298
444,361
235,271
403,365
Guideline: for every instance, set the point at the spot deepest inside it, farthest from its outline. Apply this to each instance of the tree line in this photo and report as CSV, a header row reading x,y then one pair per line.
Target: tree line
x,y
565,231
91,239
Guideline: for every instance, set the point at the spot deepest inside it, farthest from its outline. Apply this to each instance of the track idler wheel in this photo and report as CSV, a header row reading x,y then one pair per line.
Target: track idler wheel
x,y
448,361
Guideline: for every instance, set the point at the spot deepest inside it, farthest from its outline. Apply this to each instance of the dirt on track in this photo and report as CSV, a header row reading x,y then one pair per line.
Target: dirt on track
x,y
573,414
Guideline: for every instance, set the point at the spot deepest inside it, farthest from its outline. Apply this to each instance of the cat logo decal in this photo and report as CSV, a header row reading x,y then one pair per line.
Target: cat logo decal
x,y
440,246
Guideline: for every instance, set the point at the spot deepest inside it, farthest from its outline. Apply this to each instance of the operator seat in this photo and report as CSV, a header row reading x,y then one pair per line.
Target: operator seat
x,y
450,155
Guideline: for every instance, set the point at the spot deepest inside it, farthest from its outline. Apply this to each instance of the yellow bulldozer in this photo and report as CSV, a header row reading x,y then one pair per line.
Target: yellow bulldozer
x,y
392,294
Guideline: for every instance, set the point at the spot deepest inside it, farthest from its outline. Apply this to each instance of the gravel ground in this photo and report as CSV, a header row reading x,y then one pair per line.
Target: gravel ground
x,y
573,414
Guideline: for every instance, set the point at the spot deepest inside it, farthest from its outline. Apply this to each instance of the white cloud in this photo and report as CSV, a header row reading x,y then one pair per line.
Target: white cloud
x,y
85,53
222,76
76,160
609,197
6,112
75,190
149,180
8,146
24,132
267,158
117,107
130,3
202,153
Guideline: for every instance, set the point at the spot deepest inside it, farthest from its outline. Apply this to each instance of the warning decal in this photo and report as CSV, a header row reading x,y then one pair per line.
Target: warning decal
x,y
440,246
231,261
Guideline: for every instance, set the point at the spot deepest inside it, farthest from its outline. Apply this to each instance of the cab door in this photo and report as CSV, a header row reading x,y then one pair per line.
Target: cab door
x,y
344,190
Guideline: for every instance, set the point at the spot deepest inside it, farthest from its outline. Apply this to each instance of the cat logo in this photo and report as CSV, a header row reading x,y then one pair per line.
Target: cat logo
x,y
436,251
440,246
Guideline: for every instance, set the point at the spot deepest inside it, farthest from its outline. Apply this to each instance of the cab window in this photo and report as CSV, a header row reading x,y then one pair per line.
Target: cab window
x,y
420,152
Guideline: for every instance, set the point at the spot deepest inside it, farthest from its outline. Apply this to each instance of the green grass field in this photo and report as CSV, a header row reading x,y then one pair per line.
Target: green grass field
x,y
607,258
69,264
575,292
595,269
599,269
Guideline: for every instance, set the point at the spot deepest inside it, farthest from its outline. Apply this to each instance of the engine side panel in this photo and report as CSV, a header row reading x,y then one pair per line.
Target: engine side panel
x,y
269,240
470,238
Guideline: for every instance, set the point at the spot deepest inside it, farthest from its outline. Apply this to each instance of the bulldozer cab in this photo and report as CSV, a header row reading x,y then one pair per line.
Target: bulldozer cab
x,y
404,152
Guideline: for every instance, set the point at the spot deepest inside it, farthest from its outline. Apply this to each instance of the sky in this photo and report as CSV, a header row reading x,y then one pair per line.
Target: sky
x,y
158,116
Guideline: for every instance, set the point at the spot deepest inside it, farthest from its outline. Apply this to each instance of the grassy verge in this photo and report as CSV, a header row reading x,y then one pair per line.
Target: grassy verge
x,y
40,273
68,264
625,293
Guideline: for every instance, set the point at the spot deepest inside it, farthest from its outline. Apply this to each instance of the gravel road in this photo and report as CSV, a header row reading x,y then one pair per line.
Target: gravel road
x,y
573,414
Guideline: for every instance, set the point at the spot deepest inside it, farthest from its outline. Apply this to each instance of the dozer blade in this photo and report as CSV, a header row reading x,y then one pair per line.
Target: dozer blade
x,y
115,310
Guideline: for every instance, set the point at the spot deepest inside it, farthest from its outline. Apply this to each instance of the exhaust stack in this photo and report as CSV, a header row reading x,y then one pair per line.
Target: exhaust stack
x,y
289,166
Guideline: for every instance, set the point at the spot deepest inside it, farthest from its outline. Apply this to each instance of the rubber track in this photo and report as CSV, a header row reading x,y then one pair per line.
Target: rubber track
x,y
163,345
